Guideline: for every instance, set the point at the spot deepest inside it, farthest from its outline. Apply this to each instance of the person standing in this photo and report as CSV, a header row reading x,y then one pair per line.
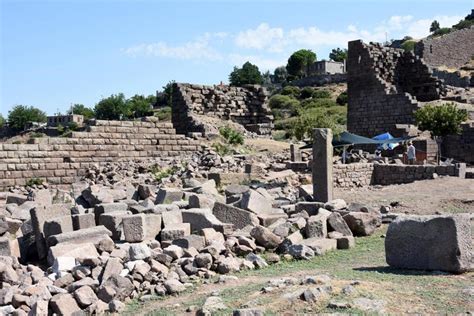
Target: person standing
x,y
411,153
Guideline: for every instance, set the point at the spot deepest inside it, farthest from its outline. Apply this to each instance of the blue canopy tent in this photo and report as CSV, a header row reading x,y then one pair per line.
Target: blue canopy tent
x,y
385,146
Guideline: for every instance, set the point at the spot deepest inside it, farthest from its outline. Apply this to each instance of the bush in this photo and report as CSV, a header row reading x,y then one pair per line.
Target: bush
x,y
321,94
81,109
283,106
114,107
307,92
291,91
280,135
232,136
315,118
20,115
318,103
2,121
34,181
140,106
163,114
222,149
441,31
342,98
441,120
408,45
159,173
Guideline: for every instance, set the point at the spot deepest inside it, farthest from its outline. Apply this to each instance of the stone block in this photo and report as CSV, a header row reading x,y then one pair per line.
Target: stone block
x,y
255,202
270,218
172,217
168,196
238,217
75,250
194,241
345,242
316,226
81,221
337,223
175,231
113,222
320,245
201,218
438,242
141,227
309,207
92,234
363,224
57,225
105,208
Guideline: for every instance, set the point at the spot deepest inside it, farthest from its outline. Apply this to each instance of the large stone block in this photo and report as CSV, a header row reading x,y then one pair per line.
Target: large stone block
x,y
141,227
316,226
441,242
363,224
81,221
255,202
113,222
105,208
201,218
175,231
336,223
57,225
168,196
92,234
237,216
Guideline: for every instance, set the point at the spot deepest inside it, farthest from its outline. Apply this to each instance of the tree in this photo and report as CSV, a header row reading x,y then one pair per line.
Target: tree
x,y
23,114
248,74
299,61
338,54
440,120
408,45
81,109
434,26
114,107
2,121
140,105
280,74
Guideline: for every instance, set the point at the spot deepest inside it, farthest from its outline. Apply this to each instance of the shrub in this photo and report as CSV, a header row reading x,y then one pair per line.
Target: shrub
x,y
321,94
441,31
232,136
140,105
2,121
318,103
441,120
34,181
163,114
342,98
20,115
291,91
464,24
283,105
61,129
280,135
222,149
159,173
409,45
307,92
314,118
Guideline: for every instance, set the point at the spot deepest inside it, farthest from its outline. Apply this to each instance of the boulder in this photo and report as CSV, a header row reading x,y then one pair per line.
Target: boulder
x,y
439,242
174,286
265,237
64,304
237,216
255,202
116,287
168,196
334,205
362,224
336,223
316,226
201,218
175,231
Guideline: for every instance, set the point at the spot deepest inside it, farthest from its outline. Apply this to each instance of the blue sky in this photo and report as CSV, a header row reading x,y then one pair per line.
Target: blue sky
x,y
54,53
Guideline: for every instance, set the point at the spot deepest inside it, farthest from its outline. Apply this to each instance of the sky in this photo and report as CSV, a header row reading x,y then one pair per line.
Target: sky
x,y
61,52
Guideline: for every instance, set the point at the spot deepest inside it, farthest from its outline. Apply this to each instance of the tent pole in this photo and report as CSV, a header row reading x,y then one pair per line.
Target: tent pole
x,y
344,155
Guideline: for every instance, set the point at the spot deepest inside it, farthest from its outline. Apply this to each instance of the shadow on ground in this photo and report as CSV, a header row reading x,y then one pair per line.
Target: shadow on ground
x,y
390,270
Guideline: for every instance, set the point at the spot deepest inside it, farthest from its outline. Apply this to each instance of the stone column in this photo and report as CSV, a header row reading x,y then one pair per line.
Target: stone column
x,y
295,153
322,165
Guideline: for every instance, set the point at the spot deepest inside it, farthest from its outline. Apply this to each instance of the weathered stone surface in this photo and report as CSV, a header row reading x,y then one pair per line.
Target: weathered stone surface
x,y
345,242
336,223
139,252
175,231
64,304
316,226
85,296
104,208
194,241
320,245
335,205
74,250
362,224
300,251
430,243
237,216
141,227
96,194
174,286
81,221
309,207
113,222
92,234
265,237
322,165
168,196
201,201
57,225
255,202
116,287
113,266
201,218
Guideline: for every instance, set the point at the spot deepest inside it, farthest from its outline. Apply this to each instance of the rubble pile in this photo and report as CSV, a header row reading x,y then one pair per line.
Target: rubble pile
x,y
119,234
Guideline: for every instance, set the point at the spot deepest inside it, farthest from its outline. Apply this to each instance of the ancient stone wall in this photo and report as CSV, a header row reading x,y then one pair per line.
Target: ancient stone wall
x,y
365,174
383,87
244,105
60,160
454,78
319,80
460,147
451,50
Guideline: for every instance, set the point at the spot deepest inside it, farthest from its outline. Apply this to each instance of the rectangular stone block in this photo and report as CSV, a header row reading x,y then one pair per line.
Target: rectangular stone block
x,y
234,215
175,231
81,221
57,225
113,222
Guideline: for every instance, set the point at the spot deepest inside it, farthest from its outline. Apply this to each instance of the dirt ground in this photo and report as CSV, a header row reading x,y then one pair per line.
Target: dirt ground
x,y
441,195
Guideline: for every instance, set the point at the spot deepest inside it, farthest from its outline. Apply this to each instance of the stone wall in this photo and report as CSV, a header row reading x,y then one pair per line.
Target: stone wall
x,y
247,105
383,86
451,50
454,78
60,160
365,174
398,174
460,147
353,175
319,80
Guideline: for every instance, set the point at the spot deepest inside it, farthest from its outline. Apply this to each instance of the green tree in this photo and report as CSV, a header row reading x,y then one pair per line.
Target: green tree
x,y
342,99
312,118
408,45
291,90
140,105
440,120
248,74
434,26
280,74
23,114
338,54
2,121
81,109
114,107
299,61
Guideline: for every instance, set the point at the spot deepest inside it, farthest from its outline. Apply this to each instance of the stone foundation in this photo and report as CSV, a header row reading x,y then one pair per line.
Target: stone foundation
x,y
60,160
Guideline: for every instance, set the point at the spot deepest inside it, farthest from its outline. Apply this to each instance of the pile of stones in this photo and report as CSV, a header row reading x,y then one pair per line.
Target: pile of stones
x,y
109,241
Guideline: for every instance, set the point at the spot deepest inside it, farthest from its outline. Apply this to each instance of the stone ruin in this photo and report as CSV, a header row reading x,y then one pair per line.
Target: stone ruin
x,y
386,86
193,105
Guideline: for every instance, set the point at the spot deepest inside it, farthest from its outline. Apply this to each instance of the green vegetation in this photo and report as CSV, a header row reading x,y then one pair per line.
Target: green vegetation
x,y
140,105
222,149
81,109
434,26
442,31
117,107
160,173
342,99
299,61
338,54
409,45
248,74
20,115
298,111
34,181
441,120
163,114
2,121
280,74
232,136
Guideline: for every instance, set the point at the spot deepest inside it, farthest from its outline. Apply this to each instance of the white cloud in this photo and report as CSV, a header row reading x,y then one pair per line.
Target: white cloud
x,y
263,63
263,37
198,49
420,28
